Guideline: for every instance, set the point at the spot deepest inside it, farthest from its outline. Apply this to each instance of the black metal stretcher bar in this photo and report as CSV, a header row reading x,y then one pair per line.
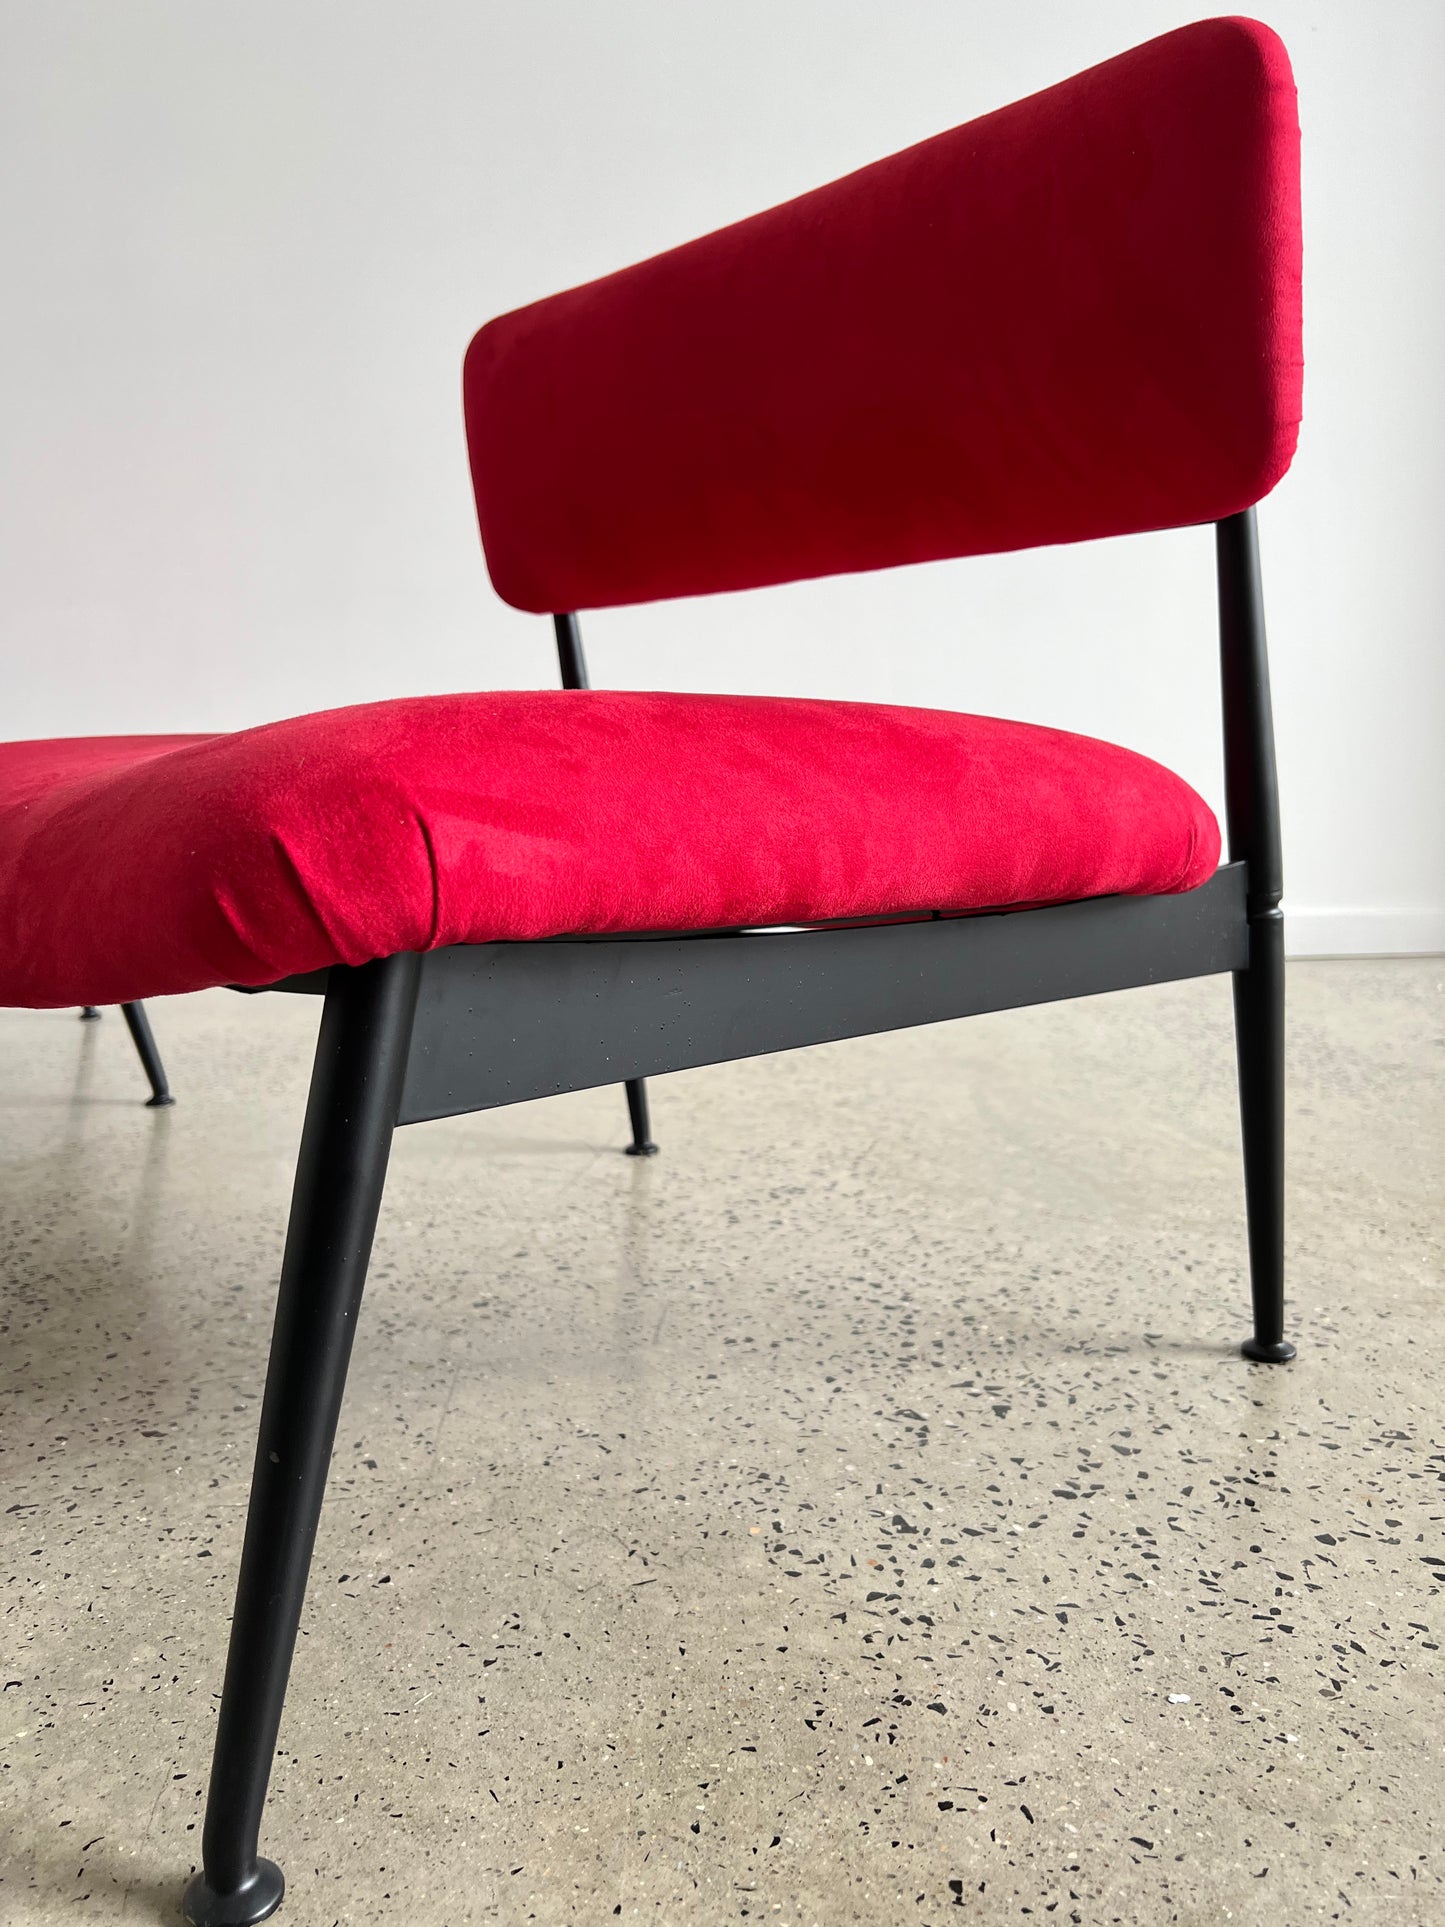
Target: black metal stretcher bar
x,y
499,1023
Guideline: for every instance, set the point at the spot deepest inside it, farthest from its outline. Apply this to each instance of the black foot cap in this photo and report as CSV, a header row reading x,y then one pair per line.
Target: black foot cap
x,y
648,1150
1279,1353
89,1014
255,1899
159,1102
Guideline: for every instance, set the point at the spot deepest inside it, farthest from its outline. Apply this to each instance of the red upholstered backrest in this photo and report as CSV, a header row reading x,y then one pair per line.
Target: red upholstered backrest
x,y
1076,317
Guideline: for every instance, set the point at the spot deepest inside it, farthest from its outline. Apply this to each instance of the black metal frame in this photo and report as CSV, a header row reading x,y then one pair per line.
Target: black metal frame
x,y
409,1038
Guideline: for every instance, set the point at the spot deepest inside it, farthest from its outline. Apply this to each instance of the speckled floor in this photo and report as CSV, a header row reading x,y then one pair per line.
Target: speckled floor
x,y
858,1514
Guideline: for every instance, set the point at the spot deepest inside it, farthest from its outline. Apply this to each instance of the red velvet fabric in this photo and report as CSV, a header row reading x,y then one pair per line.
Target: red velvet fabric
x,y
1076,317
134,866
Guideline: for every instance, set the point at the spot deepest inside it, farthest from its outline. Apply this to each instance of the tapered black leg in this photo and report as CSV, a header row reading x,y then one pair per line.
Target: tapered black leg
x,y
642,1145
355,1090
139,1026
1259,1043
1251,795
89,1014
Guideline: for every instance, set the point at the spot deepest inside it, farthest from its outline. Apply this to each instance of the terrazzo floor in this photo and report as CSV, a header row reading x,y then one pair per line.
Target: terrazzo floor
x,y
858,1514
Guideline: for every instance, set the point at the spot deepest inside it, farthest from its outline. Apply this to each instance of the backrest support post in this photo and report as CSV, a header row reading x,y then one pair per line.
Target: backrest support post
x,y
570,658
1251,782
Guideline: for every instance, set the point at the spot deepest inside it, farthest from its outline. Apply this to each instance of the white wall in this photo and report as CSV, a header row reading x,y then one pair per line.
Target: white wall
x,y
245,243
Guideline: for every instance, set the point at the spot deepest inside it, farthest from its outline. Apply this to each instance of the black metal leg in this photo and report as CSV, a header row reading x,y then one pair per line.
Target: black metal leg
x,y
139,1026
355,1091
642,1145
1259,1043
89,1014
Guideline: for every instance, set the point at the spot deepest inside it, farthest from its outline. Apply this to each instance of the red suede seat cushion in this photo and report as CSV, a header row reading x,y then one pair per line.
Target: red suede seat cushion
x,y
135,866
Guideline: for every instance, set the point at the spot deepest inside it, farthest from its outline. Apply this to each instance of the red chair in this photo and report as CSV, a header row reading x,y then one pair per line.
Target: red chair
x,y
1078,317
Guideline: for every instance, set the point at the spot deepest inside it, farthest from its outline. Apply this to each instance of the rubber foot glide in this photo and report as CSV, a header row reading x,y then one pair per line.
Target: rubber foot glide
x,y
257,1898
1279,1353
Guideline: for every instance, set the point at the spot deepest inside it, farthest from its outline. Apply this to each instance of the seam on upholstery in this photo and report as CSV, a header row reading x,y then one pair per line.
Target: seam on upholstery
x,y
305,897
424,830
231,917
